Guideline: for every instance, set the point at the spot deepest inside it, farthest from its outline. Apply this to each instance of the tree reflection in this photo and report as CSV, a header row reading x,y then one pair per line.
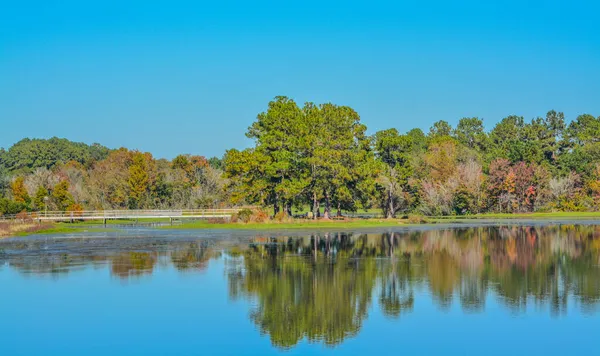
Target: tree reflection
x,y
132,264
306,298
396,296
194,256
320,287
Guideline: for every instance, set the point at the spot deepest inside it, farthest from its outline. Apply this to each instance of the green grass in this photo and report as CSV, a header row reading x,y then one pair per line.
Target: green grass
x,y
305,209
298,224
97,226
533,216
120,221
367,223
63,228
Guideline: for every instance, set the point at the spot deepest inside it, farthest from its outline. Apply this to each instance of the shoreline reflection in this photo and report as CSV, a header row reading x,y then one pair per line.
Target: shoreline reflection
x,y
321,287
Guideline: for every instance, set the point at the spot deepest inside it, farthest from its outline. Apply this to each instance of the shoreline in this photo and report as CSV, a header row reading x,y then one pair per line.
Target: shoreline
x,y
586,218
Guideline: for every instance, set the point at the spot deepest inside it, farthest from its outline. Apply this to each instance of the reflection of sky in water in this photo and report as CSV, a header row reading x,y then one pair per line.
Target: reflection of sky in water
x,y
176,298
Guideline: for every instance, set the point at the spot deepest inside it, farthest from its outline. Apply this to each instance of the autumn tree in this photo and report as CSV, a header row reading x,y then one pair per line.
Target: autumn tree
x,y
319,156
19,192
138,180
109,180
441,159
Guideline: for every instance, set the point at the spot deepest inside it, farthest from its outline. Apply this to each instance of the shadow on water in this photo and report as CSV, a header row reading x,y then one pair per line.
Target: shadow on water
x,y
320,287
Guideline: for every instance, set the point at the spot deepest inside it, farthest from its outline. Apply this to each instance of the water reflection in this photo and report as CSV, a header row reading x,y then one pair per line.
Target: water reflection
x,y
321,287
131,264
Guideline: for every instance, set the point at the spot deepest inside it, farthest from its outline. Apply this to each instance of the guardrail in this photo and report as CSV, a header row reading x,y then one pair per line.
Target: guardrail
x,y
121,214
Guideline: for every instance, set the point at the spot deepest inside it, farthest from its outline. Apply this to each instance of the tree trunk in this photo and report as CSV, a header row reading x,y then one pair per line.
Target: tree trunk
x,y
339,210
275,207
288,209
391,208
315,207
327,213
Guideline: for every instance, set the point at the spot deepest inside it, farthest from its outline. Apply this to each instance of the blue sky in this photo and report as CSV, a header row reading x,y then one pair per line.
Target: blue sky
x,y
173,77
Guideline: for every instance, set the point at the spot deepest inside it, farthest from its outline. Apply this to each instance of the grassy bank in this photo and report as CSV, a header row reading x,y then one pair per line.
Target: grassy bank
x,y
14,229
367,223
100,222
97,226
33,228
296,224
532,216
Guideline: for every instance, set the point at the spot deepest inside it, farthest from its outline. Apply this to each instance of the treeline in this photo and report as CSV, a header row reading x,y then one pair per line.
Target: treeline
x,y
319,158
58,174
320,155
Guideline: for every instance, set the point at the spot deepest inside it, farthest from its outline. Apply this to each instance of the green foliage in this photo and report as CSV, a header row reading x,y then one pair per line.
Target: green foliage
x,y
439,129
40,198
319,156
28,154
464,202
61,196
395,152
317,152
470,133
11,207
247,173
215,162
583,130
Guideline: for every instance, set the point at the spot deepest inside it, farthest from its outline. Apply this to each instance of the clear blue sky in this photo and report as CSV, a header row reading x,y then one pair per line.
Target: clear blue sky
x,y
173,77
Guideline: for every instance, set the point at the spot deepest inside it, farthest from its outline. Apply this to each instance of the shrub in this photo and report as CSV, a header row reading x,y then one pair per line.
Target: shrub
x,y
259,215
23,216
244,215
9,207
463,202
76,209
280,216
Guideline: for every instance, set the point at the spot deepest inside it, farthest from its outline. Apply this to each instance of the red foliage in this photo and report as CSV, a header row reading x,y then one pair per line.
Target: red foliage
x,y
517,184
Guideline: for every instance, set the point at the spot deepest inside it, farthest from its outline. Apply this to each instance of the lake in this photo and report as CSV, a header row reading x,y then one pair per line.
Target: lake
x,y
483,289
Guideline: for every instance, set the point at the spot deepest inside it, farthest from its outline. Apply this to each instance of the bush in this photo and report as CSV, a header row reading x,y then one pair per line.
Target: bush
x,y
280,216
259,215
76,209
244,215
417,219
463,202
23,216
247,215
9,207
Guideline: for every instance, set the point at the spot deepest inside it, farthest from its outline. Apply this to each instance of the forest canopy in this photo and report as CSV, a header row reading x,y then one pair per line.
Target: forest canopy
x,y
319,158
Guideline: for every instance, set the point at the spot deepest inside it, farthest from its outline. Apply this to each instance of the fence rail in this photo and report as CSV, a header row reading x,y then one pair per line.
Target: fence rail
x,y
121,214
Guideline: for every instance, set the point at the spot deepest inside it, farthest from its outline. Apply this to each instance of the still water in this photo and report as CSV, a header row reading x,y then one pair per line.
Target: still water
x,y
480,290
